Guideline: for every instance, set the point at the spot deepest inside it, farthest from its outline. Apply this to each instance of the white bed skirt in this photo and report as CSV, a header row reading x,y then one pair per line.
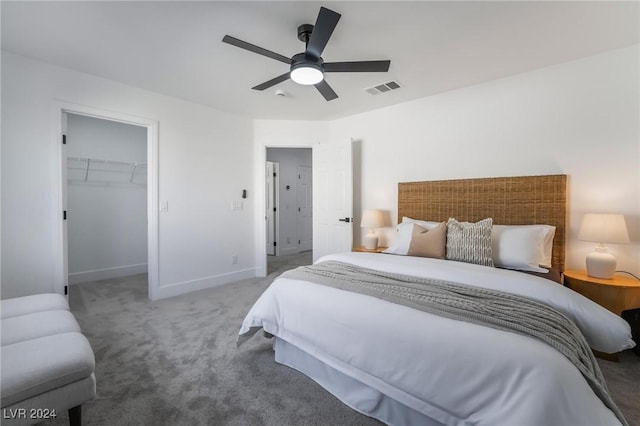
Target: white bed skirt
x,y
351,392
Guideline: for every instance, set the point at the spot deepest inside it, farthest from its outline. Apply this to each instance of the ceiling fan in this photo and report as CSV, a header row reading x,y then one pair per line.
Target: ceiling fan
x,y
308,68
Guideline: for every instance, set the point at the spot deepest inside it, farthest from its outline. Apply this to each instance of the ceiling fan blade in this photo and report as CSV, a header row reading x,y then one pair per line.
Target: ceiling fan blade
x,y
255,49
326,90
272,82
322,30
358,66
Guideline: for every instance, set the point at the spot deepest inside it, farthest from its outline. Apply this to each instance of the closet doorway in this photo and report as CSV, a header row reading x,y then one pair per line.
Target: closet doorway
x,y
60,114
106,168
290,193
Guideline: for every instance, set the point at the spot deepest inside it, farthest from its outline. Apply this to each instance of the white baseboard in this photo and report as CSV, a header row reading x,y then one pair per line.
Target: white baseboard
x,y
177,289
105,274
289,250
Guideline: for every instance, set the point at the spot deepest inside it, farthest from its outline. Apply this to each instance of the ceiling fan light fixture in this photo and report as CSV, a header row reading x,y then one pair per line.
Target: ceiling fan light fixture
x,y
308,67
307,75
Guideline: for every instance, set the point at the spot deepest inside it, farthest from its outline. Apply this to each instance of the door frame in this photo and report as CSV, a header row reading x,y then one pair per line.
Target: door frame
x,y
298,216
260,204
276,202
60,108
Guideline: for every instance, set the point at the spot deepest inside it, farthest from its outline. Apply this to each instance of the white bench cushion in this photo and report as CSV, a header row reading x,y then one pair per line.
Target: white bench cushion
x,y
10,308
40,324
39,365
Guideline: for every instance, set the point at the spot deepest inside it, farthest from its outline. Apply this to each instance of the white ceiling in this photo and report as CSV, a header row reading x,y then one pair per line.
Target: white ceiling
x,y
175,48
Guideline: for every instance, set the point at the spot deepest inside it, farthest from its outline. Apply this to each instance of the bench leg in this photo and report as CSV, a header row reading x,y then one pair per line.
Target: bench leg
x,y
75,416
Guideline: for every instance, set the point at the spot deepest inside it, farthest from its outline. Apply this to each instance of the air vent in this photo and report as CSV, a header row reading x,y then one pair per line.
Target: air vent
x,y
382,88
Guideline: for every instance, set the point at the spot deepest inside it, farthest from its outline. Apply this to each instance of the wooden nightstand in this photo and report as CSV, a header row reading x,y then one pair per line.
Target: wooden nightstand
x,y
616,294
366,250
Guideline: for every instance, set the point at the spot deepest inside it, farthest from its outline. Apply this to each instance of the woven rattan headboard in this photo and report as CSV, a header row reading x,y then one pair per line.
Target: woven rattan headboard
x,y
521,200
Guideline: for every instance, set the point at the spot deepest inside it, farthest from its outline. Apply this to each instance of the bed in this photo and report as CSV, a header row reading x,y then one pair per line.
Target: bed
x,y
408,366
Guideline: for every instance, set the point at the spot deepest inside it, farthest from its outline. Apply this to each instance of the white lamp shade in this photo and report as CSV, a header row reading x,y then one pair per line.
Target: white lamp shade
x,y
604,228
372,219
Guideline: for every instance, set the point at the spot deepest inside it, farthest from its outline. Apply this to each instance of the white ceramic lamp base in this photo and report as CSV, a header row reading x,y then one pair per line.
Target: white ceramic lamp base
x,y
601,263
370,241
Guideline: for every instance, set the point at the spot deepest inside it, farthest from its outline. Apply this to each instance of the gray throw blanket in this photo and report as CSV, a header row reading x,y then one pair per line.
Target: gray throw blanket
x,y
490,308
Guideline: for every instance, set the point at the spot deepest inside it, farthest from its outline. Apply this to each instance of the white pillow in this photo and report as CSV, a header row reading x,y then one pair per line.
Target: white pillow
x,y
426,224
548,232
405,231
403,239
522,247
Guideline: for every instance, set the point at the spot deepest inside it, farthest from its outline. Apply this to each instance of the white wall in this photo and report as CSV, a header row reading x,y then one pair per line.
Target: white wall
x,y
107,219
579,118
289,159
204,163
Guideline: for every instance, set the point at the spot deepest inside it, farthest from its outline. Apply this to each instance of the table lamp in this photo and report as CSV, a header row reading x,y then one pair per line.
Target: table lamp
x,y
371,219
602,228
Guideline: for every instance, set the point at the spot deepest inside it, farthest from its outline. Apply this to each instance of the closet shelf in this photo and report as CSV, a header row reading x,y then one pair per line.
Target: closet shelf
x,y
101,171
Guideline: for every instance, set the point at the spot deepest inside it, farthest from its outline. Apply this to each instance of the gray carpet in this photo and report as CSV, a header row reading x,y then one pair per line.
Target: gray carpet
x,y
174,361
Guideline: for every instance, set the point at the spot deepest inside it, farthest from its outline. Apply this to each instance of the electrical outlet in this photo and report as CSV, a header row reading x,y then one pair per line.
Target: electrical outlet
x,y
234,259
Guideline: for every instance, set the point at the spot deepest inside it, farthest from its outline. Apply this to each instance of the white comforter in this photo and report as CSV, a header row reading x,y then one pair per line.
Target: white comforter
x,y
454,372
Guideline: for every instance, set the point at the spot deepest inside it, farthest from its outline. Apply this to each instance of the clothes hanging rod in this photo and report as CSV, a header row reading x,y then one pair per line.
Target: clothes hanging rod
x,y
90,165
98,160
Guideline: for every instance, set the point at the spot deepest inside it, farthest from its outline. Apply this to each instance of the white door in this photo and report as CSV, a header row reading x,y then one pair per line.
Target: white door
x,y
305,213
332,198
271,192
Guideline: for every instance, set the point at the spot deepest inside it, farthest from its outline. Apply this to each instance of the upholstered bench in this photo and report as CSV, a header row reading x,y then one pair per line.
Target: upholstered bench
x,y
46,363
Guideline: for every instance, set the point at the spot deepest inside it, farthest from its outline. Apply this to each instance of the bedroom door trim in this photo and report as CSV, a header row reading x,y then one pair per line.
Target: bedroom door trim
x,y
59,109
304,218
261,204
273,194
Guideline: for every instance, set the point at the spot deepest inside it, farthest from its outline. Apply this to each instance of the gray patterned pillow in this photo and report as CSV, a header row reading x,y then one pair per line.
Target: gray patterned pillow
x,y
470,242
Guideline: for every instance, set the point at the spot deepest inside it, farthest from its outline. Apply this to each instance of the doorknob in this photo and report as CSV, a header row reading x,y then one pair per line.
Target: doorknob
x,y
346,219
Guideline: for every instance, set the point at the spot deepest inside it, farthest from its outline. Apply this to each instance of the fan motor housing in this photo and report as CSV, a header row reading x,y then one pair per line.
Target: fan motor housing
x,y
306,60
